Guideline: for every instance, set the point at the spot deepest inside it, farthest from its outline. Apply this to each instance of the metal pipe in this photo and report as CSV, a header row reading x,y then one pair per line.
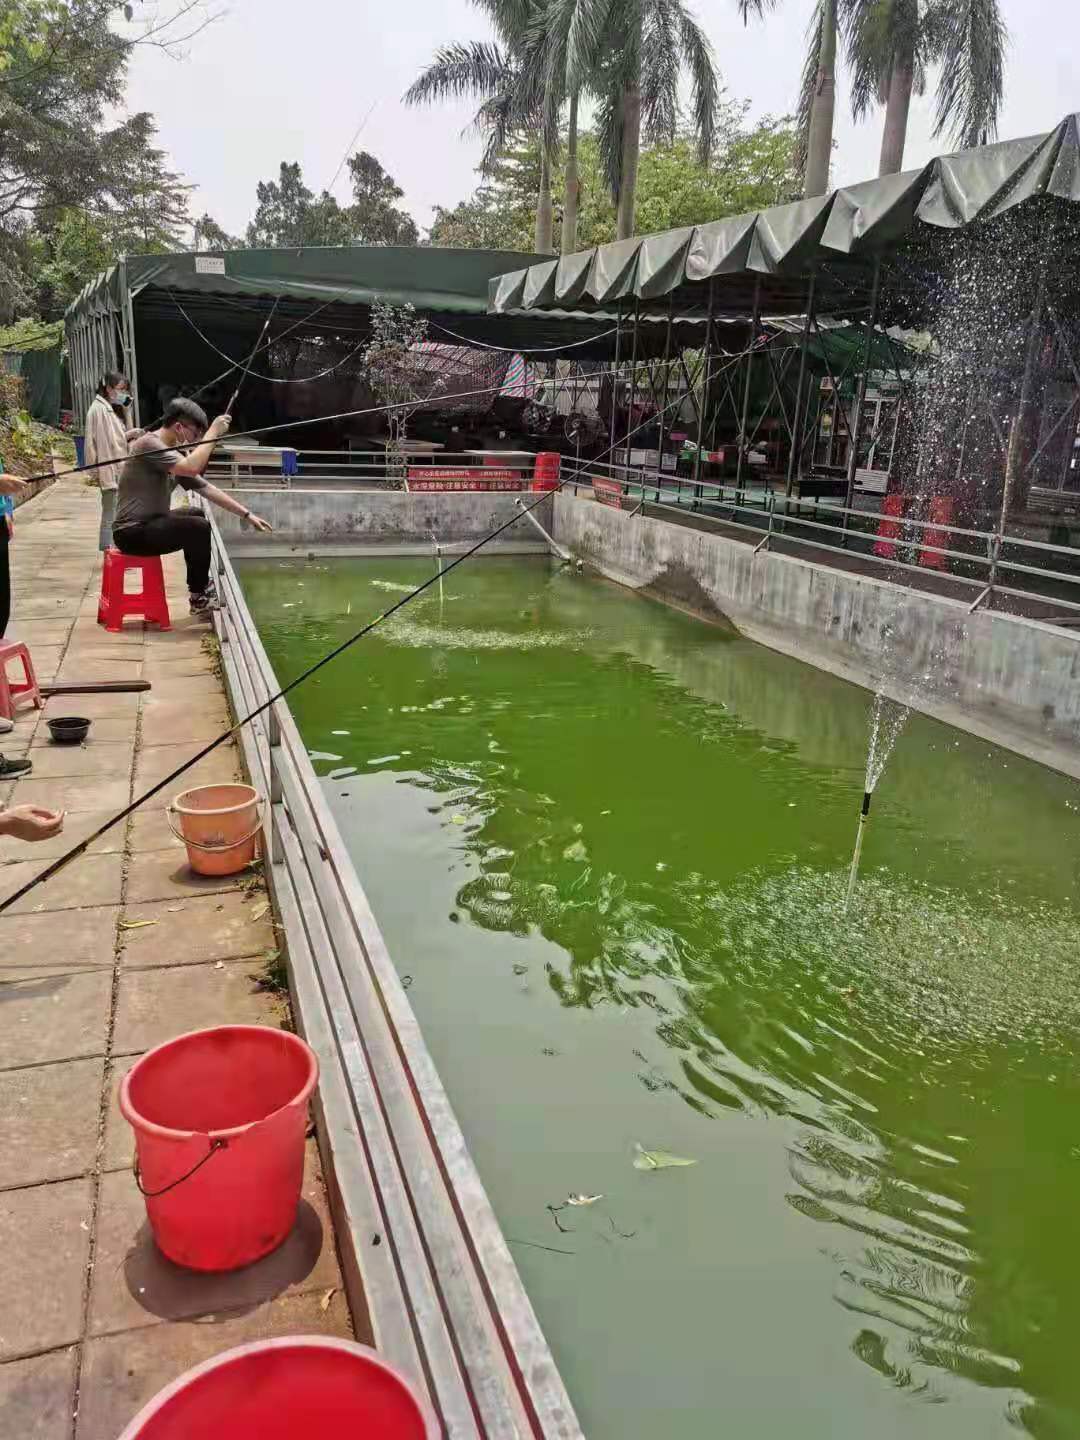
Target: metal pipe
x,y
746,385
853,874
860,393
633,382
667,377
615,374
796,443
706,371
556,548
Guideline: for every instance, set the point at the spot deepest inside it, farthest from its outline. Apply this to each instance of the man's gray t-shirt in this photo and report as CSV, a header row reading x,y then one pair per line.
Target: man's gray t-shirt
x,y
146,481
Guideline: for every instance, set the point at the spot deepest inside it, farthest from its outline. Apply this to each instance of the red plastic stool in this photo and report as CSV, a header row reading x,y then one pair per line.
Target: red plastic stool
x,y
115,604
15,693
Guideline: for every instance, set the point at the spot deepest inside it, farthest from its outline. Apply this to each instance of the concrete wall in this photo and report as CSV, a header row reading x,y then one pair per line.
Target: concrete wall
x,y
383,520
1013,681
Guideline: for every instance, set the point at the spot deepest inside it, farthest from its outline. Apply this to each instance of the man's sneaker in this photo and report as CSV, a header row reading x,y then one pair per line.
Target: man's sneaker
x,y
12,769
6,725
201,605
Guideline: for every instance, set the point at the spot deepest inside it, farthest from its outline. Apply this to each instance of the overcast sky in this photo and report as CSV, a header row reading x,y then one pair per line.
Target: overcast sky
x,y
276,80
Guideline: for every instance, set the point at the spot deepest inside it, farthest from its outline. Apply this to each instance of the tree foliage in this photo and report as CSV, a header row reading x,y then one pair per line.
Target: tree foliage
x,y
750,167
289,215
64,153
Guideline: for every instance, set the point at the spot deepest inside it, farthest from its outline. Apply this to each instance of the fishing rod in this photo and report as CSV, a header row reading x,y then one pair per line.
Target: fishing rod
x,y
83,845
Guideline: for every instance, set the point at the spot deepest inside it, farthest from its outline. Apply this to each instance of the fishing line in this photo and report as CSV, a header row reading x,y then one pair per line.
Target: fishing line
x,y
267,379
84,845
352,415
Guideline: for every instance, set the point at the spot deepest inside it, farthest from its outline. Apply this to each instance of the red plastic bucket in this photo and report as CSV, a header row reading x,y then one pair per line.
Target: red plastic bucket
x,y
220,1118
546,470
301,1385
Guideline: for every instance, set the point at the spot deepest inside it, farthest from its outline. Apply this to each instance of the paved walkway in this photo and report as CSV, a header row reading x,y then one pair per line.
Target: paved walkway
x,y
93,1321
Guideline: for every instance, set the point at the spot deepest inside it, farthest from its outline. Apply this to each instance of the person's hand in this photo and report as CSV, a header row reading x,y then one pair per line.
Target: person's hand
x,y
218,428
10,526
30,822
11,485
260,524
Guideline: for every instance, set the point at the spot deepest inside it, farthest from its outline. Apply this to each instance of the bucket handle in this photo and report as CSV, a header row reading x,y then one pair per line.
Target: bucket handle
x,y
215,1145
170,811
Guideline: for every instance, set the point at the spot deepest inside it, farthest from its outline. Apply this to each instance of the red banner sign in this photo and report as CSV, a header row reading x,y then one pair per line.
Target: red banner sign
x,y
446,477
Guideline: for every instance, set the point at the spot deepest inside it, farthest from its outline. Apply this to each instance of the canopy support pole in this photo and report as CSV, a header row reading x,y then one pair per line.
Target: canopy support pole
x,y
615,378
796,440
131,365
706,377
746,390
1016,434
667,378
633,389
860,393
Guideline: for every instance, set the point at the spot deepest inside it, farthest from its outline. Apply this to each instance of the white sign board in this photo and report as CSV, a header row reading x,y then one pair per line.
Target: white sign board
x,y
209,265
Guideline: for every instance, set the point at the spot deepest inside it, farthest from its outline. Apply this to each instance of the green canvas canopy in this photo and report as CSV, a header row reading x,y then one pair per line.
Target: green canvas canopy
x,y
773,252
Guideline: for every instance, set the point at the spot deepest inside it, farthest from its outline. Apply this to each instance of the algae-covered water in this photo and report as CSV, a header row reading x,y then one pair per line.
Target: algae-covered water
x,y
608,843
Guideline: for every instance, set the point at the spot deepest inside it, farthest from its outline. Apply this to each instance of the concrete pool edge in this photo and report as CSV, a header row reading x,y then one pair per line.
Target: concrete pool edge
x,y
424,1257
1016,681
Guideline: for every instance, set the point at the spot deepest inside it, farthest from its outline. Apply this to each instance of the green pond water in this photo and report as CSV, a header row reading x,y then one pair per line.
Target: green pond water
x,y
609,845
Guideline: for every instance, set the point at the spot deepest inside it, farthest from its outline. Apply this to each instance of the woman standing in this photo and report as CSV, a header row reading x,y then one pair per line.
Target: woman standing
x,y
107,441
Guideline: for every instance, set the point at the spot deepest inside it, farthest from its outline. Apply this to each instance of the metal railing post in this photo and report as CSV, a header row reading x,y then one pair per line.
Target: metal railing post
x,y
745,420
860,396
796,441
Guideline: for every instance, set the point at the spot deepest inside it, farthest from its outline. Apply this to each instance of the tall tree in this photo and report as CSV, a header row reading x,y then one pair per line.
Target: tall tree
x,y
751,167
632,54
208,235
62,78
817,98
376,218
892,43
288,215
511,80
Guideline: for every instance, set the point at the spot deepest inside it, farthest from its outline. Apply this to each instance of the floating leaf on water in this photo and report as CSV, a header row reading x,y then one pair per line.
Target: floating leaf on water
x,y
583,1199
658,1159
457,819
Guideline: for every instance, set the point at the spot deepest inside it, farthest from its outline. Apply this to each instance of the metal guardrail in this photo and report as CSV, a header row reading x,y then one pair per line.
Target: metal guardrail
x,y
426,1264
824,523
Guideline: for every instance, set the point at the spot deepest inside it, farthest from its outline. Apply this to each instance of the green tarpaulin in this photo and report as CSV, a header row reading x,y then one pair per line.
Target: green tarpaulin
x,y
40,374
838,236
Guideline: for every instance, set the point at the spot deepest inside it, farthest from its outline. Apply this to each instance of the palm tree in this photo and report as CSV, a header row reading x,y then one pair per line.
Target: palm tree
x,y
630,55
890,45
817,99
509,80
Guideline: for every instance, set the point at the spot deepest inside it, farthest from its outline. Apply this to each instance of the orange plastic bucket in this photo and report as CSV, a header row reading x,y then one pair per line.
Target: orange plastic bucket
x,y
220,1118
219,824
298,1385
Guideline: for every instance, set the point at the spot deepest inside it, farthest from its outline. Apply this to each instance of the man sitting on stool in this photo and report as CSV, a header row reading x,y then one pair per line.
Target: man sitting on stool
x,y
144,523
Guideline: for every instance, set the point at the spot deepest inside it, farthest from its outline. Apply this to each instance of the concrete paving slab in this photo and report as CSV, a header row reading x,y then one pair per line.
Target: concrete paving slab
x,y
185,687
37,1397
49,1122
176,722
91,880
205,927
166,875
94,707
91,759
77,667
112,730
134,1285
220,767
154,1005
45,1241
56,1017
78,792
121,1373
148,829
77,825
119,1151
